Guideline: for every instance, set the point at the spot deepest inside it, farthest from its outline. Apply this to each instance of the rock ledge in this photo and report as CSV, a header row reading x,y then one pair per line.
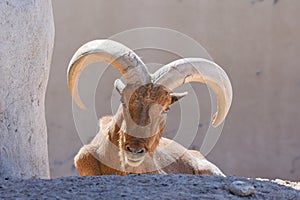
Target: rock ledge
x,y
144,187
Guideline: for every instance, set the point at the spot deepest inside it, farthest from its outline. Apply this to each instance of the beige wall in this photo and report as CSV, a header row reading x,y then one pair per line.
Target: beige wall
x,y
257,43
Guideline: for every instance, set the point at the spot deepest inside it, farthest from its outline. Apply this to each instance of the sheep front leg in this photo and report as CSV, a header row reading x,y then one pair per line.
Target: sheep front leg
x,y
202,166
86,163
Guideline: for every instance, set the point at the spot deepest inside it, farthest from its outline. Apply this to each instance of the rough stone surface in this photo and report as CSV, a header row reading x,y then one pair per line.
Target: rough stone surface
x,y
141,187
26,44
241,188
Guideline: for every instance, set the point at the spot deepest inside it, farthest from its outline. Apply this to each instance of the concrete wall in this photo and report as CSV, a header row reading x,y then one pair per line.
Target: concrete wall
x,y
26,45
257,43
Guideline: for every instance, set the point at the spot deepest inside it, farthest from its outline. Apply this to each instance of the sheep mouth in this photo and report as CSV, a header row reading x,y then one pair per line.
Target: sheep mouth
x,y
134,162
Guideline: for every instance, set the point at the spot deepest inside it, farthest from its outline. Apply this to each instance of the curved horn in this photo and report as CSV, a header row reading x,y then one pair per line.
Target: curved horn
x,y
200,70
119,56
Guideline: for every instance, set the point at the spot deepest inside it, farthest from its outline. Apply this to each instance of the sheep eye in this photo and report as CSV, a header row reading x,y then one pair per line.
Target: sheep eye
x,y
122,101
164,111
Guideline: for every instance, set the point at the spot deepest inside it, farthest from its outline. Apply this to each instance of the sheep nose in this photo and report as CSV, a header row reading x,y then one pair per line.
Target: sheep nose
x,y
135,150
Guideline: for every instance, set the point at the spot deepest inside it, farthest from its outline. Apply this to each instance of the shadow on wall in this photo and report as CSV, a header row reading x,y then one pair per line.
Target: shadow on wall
x,y
274,1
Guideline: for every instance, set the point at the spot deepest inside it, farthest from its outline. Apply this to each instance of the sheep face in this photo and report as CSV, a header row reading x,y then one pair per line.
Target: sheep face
x,y
144,110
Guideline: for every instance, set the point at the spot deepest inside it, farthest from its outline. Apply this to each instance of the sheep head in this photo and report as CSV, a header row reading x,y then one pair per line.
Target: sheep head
x,y
145,99
144,110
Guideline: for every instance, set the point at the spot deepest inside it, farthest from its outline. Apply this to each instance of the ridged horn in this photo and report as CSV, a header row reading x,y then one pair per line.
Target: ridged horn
x,y
200,70
119,56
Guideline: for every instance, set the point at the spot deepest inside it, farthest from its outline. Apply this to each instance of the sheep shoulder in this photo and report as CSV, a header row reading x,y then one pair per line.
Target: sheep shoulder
x,y
88,159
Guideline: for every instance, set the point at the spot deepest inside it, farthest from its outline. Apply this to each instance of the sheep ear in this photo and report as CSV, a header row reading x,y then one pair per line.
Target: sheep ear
x,y
177,96
119,85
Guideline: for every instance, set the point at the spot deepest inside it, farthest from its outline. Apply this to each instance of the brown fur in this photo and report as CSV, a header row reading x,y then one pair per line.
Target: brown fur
x,y
87,163
143,98
89,160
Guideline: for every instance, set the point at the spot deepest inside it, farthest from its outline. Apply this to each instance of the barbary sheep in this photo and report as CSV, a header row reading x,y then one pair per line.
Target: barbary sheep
x,y
131,141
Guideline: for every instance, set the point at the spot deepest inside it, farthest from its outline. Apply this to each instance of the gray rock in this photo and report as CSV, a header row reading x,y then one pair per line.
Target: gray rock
x,y
130,187
241,188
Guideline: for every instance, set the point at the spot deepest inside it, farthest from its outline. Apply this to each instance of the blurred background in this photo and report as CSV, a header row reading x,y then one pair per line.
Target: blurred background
x,y
255,41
